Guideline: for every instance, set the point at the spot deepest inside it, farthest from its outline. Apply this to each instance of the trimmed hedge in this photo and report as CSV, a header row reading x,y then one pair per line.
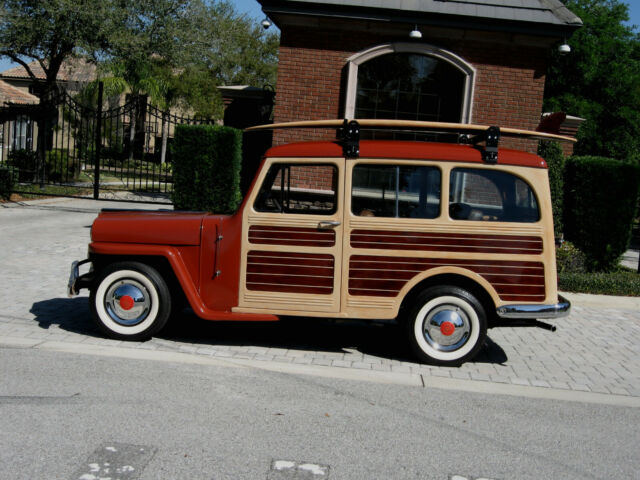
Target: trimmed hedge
x,y
8,180
614,283
206,168
600,204
552,153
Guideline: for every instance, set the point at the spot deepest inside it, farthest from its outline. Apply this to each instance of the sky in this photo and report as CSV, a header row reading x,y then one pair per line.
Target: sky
x,y
252,8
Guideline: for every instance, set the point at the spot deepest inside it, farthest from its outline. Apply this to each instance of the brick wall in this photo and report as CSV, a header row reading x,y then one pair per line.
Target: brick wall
x,y
312,76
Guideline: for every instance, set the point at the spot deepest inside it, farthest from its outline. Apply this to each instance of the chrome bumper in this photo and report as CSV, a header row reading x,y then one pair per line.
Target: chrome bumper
x,y
74,286
560,309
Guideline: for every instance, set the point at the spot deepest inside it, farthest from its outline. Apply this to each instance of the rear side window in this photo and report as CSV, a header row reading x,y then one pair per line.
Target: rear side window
x,y
490,195
291,188
405,191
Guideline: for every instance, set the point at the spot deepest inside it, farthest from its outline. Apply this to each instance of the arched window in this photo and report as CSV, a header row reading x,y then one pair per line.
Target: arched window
x,y
410,82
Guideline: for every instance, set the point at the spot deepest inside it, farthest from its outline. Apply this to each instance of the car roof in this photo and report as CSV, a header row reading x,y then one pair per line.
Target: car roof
x,y
405,150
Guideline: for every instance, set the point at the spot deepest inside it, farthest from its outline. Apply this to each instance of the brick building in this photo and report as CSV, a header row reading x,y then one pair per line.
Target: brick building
x,y
476,61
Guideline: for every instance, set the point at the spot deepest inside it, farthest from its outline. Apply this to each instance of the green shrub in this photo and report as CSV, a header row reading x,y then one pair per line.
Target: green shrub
x,y
25,161
600,204
552,153
60,166
613,283
8,180
570,259
206,168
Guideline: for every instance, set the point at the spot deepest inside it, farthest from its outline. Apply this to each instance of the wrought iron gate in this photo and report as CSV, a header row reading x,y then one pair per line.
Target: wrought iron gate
x,y
121,152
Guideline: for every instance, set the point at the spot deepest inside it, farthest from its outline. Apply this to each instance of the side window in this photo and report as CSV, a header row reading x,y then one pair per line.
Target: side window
x,y
490,195
395,191
297,188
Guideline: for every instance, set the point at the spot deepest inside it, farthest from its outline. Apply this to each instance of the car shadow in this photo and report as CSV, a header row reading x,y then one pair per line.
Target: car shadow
x,y
322,335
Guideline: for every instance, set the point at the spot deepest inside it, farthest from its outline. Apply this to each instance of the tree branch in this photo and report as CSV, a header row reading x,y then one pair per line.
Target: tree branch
x,y
18,60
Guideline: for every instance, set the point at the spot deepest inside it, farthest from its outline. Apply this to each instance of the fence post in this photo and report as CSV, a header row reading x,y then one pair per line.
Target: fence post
x,y
96,179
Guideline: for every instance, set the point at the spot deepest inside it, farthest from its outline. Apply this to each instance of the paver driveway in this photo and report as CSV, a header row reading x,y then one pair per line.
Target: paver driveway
x,y
596,349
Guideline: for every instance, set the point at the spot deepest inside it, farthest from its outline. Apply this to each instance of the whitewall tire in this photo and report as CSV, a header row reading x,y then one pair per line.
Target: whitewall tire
x,y
130,301
446,325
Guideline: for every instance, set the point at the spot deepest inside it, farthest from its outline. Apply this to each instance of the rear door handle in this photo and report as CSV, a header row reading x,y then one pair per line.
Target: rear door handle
x,y
328,224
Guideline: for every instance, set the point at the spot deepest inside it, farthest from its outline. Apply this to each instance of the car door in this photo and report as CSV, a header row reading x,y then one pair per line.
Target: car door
x,y
291,258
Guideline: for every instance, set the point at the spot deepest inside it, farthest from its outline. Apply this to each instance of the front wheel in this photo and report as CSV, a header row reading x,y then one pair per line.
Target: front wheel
x,y
446,326
130,301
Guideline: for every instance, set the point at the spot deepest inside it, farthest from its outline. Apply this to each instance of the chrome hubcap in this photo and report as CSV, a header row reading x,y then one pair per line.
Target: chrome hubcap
x,y
127,302
446,328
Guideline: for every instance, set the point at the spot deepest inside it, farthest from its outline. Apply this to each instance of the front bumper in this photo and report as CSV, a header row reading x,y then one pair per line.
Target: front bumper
x,y
558,310
77,281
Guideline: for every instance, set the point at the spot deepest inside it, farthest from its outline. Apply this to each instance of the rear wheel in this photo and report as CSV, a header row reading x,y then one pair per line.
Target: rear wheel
x,y
446,325
130,301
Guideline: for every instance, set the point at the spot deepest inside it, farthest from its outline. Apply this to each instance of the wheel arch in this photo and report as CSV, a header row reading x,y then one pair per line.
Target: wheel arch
x,y
469,281
160,263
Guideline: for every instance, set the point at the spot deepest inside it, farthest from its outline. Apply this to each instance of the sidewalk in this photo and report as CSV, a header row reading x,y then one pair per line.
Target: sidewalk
x,y
596,350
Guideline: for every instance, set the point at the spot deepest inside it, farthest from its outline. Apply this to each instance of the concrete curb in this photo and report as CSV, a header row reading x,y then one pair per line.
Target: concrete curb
x,y
390,378
602,301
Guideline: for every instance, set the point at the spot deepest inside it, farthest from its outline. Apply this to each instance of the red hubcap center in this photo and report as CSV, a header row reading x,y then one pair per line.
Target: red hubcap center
x,y
447,328
126,302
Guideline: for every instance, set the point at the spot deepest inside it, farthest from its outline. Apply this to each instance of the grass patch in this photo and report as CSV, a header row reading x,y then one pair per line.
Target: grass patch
x,y
624,282
34,191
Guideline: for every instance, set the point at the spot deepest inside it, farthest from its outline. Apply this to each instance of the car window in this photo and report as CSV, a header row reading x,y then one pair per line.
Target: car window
x,y
295,188
400,191
489,195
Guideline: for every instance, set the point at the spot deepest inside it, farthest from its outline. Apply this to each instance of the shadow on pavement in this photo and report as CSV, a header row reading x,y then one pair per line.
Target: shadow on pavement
x,y
302,334
71,314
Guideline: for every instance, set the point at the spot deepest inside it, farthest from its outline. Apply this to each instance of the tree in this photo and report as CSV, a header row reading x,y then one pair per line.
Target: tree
x,y
223,48
598,80
176,52
51,31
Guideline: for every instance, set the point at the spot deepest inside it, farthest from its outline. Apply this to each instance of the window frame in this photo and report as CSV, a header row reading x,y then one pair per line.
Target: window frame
x,y
397,167
281,166
484,172
359,58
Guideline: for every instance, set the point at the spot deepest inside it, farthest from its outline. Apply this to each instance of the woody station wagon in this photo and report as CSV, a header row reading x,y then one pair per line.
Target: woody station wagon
x,y
446,238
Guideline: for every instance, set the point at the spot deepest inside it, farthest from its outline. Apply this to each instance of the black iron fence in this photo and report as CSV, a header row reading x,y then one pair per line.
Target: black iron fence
x,y
121,152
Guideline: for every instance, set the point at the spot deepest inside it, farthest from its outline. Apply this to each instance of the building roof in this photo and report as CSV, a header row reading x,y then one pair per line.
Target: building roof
x,y
13,96
541,17
76,70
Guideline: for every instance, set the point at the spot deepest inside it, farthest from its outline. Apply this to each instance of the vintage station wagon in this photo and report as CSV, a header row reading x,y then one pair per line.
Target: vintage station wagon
x,y
445,238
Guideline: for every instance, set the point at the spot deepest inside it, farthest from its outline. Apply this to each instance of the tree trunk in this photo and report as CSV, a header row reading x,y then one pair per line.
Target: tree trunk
x,y
47,112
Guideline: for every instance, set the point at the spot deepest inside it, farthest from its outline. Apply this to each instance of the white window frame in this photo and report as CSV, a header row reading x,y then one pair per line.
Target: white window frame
x,y
354,61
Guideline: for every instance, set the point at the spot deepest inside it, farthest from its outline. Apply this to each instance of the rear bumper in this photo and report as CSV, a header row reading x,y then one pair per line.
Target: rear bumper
x,y
77,281
558,310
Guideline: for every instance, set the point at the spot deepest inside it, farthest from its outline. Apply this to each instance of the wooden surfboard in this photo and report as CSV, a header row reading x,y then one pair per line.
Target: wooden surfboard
x,y
416,125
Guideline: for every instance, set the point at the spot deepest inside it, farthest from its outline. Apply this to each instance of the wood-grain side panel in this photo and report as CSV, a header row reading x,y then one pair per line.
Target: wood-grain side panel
x,y
385,276
308,237
445,242
290,272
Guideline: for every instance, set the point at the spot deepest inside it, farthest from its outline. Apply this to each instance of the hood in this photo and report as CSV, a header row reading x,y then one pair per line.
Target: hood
x,y
148,227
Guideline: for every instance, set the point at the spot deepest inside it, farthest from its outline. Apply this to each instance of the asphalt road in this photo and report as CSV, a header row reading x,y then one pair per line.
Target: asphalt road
x,y
76,416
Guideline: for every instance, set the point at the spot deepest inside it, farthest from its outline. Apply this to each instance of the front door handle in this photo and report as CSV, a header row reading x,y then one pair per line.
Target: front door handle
x,y
328,224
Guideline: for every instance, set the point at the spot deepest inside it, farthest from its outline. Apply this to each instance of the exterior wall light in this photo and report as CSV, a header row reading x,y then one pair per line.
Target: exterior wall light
x,y
415,33
564,49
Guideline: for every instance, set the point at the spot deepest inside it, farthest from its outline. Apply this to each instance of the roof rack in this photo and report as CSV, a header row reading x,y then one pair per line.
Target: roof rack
x,y
349,132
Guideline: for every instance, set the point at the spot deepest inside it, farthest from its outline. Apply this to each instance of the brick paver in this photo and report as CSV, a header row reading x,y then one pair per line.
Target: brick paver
x,y
595,349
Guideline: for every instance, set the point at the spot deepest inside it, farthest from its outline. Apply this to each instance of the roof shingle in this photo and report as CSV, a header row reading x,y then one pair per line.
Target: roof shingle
x,y
13,96
541,13
74,70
